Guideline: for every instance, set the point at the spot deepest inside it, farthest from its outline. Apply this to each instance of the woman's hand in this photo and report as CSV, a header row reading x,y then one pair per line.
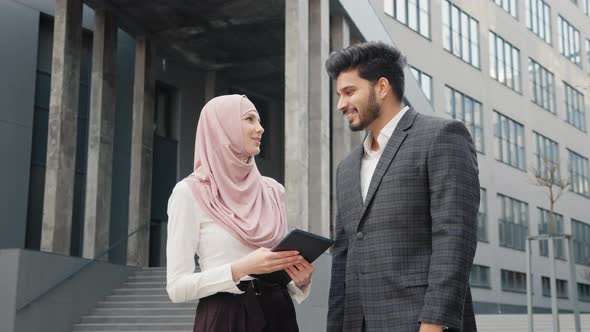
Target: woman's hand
x,y
263,261
301,273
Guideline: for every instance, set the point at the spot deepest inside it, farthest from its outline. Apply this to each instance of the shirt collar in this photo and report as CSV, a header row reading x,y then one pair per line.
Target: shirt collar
x,y
385,133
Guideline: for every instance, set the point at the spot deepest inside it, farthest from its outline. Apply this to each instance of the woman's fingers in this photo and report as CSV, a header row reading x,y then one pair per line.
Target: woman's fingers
x,y
283,254
292,260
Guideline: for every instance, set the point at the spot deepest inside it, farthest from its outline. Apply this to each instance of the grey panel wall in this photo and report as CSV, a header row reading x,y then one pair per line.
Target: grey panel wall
x,y
18,57
8,281
190,99
122,147
63,306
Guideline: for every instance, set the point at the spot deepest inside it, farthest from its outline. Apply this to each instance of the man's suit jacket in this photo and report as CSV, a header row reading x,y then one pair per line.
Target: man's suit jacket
x,y
405,254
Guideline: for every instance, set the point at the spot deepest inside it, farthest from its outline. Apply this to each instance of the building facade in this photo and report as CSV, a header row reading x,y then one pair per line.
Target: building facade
x,y
100,101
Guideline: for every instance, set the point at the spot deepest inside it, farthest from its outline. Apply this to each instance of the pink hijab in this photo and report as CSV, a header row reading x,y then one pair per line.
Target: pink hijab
x,y
226,182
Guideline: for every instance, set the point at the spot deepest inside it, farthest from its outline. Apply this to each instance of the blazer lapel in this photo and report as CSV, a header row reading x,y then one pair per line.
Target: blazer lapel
x,y
393,145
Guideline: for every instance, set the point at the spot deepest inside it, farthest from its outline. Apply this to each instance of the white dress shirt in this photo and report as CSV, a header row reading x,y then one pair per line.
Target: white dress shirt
x,y
190,232
370,157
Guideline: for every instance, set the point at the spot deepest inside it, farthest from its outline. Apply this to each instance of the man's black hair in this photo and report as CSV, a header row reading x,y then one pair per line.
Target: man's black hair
x,y
373,60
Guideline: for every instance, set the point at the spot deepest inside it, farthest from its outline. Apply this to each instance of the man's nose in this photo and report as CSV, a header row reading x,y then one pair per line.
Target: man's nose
x,y
342,103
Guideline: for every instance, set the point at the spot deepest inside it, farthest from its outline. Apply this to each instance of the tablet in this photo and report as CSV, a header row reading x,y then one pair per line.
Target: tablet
x,y
309,245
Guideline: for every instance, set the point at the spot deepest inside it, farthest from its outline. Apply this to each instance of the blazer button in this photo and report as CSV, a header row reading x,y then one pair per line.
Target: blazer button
x,y
360,235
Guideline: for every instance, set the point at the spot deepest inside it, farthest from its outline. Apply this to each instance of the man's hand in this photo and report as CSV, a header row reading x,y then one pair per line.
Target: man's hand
x,y
427,327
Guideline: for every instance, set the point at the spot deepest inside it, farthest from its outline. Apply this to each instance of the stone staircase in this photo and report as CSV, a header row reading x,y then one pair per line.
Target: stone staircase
x,y
140,304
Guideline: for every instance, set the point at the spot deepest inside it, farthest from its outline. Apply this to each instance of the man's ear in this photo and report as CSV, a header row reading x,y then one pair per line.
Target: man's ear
x,y
383,88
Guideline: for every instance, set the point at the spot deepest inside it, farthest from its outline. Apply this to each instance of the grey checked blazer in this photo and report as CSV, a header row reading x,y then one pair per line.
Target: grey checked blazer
x,y
404,256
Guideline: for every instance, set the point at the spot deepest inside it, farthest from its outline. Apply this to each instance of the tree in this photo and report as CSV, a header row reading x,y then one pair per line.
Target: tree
x,y
548,177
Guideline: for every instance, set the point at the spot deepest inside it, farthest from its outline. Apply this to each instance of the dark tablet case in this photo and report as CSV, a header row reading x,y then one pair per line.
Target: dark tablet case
x,y
309,245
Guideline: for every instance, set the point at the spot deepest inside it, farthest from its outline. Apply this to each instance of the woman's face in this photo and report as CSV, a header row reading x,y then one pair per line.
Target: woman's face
x,y
251,133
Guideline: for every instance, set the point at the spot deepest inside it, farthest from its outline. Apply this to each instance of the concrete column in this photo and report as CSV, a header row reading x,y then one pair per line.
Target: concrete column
x,y
319,118
61,137
97,211
210,81
296,111
142,142
341,134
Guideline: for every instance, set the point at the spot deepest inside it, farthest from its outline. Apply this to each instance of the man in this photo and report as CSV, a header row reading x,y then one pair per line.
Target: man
x,y
407,202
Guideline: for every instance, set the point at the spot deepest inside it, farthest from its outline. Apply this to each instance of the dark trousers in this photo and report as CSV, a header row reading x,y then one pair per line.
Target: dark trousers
x,y
264,307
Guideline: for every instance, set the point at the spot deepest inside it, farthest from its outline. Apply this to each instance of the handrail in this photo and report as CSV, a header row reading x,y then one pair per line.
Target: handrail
x,y
85,265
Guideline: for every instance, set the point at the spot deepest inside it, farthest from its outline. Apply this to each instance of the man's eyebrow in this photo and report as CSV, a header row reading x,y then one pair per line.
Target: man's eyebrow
x,y
347,87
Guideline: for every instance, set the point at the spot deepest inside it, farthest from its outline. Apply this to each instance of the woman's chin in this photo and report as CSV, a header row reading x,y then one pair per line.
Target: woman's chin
x,y
253,152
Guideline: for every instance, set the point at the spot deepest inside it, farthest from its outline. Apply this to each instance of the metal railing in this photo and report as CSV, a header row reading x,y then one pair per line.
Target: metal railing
x,y
84,266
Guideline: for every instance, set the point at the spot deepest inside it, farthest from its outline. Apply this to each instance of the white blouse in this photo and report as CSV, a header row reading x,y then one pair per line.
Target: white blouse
x,y
190,232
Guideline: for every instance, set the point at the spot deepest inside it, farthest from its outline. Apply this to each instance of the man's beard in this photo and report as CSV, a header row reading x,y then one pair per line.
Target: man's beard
x,y
373,111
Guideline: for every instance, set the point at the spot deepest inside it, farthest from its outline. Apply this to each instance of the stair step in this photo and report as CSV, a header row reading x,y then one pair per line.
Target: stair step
x,y
144,285
133,327
142,273
145,304
138,298
187,319
140,291
147,278
143,311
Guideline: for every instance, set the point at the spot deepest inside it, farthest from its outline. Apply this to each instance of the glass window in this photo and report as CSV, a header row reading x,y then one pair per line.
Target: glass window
x,y
574,107
424,81
542,86
538,19
562,291
584,289
513,281
569,41
460,33
467,110
581,234
508,5
578,173
482,214
479,276
547,158
509,136
513,222
558,244
504,62
415,14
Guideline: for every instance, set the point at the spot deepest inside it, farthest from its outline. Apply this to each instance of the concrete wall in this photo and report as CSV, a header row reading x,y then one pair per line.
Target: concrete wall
x,y
18,58
62,307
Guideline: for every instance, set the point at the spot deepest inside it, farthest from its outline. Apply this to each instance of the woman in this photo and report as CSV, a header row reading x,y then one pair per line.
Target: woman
x,y
229,215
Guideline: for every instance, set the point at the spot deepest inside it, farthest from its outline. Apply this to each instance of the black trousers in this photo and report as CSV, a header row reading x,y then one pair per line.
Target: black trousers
x,y
264,307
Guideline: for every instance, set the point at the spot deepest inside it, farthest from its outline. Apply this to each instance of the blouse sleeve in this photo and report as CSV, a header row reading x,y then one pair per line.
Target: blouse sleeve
x,y
299,294
182,282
